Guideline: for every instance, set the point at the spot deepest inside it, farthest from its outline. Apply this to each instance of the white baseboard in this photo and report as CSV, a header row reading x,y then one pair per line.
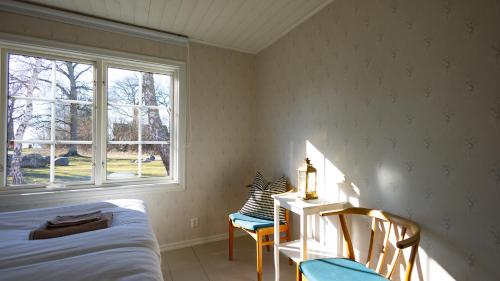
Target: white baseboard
x,y
197,241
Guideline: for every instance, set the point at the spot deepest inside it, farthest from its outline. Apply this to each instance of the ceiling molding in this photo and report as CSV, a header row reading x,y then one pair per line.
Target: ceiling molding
x,y
222,46
89,21
299,22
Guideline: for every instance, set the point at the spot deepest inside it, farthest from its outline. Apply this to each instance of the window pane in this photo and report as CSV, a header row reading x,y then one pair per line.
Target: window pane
x,y
74,81
75,167
161,87
121,161
155,124
28,163
145,95
122,123
123,86
74,122
31,119
28,120
29,76
152,160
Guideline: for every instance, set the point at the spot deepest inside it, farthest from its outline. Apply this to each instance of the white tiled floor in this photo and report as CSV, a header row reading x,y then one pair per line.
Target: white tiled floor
x,y
209,262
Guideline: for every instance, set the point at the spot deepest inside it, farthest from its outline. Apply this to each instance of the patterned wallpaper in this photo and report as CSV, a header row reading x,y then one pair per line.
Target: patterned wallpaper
x,y
402,99
221,122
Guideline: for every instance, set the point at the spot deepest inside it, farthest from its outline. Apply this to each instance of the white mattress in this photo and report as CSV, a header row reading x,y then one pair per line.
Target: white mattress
x,y
128,250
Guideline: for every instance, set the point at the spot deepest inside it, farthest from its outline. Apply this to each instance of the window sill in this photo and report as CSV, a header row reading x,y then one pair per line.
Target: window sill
x,y
10,199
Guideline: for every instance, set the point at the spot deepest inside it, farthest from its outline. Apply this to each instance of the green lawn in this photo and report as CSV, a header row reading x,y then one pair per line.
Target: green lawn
x,y
80,169
125,164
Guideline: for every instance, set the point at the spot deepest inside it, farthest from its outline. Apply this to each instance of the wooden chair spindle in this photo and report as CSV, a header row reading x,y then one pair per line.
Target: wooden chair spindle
x,y
383,252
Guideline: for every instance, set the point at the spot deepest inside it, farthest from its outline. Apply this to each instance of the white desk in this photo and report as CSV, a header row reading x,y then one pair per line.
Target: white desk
x,y
304,248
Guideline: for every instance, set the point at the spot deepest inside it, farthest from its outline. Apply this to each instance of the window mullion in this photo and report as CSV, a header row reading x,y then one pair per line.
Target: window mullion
x,y
139,128
51,100
100,124
3,117
53,124
173,128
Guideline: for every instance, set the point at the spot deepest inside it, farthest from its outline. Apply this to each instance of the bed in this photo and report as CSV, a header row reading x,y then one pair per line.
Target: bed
x,y
128,250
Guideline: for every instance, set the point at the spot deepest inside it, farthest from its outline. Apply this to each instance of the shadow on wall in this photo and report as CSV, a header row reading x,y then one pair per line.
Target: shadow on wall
x,y
334,184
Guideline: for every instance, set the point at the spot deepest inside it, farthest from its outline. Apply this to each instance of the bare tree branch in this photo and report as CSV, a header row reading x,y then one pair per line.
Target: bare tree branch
x,y
81,72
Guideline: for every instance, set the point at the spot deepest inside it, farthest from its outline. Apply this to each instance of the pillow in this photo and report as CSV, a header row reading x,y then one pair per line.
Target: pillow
x,y
260,204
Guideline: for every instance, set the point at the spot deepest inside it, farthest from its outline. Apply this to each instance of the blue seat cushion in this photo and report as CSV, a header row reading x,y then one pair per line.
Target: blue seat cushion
x,y
338,269
248,222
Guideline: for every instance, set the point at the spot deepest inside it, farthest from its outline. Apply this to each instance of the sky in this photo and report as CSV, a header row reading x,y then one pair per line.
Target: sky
x,y
18,67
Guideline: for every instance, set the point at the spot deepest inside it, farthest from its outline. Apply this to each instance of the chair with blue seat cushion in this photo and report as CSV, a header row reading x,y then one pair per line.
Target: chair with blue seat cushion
x,y
258,229
256,217
247,222
341,269
338,269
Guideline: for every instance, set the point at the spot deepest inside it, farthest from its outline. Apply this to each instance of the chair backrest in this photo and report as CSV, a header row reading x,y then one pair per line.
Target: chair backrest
x,y
407,227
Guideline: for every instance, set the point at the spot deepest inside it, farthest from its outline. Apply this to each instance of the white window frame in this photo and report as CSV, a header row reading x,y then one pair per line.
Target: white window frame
x,y
101,58
140,68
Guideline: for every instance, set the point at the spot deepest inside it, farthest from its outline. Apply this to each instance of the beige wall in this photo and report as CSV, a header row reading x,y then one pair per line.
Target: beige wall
x,y
403,98
221,122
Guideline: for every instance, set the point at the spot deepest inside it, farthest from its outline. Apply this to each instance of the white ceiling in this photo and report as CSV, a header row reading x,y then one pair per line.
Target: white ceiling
x,y
244,25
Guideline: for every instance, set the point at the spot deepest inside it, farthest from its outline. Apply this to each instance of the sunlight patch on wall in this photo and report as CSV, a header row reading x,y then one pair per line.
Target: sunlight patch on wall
x,y
332,182
329,176
425,266
388,178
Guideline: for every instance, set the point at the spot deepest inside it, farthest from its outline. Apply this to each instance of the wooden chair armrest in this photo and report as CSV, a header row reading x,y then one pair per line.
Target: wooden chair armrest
x,y
411,241
376,214
415,229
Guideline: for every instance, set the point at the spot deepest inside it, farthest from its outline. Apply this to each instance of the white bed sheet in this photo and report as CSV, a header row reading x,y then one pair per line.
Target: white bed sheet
x,y
128,250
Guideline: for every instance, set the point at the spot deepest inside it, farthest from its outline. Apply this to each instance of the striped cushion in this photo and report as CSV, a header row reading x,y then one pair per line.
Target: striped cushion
x,y
259,203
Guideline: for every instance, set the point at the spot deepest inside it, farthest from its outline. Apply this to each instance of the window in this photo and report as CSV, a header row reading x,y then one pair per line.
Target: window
x,y
138,129
87,120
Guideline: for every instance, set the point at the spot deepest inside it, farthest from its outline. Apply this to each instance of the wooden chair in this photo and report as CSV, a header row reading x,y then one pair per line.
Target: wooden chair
x,y
260,230
327,269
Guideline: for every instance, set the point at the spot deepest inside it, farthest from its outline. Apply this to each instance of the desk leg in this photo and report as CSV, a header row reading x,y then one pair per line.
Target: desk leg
x,y
303,237
276,241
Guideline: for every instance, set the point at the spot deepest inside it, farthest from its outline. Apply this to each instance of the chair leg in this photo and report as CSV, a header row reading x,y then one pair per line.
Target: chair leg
x,y
268,247
231,239
288,239
259,256
299,274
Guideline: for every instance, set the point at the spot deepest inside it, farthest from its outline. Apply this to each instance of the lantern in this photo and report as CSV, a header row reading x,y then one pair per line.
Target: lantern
x,y
307,175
